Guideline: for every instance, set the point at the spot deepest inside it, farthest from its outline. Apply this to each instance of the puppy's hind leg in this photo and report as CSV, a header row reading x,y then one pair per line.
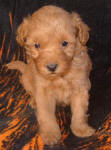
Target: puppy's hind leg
x,y
26,78
17,65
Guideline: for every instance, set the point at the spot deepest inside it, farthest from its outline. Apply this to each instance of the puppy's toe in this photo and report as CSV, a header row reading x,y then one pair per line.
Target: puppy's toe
x,y
32,102
11,65
83,130
51,136
18,65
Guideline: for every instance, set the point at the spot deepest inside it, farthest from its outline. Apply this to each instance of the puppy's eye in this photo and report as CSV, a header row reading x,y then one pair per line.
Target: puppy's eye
x,y
37,45
64,43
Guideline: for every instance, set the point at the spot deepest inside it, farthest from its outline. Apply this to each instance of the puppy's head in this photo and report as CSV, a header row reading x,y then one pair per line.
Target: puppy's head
x,y
52,37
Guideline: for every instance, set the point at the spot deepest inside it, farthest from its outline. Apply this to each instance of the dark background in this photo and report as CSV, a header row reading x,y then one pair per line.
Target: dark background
x,y
97,14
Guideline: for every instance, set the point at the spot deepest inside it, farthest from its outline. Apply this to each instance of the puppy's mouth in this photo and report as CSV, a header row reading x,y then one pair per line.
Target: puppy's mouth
x,y
52,75
55,75
53,71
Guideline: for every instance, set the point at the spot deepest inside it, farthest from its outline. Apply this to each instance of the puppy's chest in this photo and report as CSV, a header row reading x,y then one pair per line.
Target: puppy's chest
x,y
62,91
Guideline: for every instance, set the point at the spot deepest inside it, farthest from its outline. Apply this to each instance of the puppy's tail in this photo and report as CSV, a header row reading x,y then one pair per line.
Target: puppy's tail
x,y
17,65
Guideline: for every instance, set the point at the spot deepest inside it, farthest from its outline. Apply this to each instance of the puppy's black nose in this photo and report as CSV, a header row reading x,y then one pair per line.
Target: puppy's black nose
x,y
52,67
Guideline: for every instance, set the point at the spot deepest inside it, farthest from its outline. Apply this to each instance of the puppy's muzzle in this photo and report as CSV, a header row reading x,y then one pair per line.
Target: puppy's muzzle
x,y
52,67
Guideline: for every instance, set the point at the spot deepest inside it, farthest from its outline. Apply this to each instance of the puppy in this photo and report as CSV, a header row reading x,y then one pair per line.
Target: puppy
x,y
58,68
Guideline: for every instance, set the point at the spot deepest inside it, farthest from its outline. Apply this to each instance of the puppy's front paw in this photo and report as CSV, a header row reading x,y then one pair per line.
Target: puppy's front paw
x,y
50,135
83,130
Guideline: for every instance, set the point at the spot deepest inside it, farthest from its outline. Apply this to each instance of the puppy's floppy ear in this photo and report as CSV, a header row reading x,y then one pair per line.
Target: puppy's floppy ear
x,y
22,32
82,30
